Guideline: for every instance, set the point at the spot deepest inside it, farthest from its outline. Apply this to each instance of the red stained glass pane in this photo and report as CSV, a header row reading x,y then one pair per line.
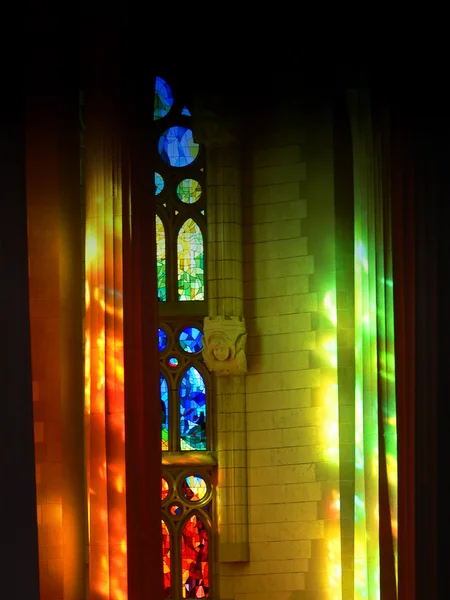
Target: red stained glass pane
x,y
166,559
194,558
164,489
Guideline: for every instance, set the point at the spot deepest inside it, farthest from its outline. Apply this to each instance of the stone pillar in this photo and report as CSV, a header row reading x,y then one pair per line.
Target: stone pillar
x,y
19,544
142,413
71,291
224,330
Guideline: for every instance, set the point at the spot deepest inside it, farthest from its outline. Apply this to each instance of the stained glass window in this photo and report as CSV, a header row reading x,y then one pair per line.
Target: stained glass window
x,y
166,543
164,393
194,558
177,147
161,259
190,340
180,202
187,505
189,191
192,411
191,275
179,189
183,387
163,98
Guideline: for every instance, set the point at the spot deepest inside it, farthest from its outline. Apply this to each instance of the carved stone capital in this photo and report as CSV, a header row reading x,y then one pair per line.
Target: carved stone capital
x,y
224,342
213,131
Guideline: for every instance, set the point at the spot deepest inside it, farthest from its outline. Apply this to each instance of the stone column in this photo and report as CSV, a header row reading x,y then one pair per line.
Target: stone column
x,y
71,290
224,329
142,413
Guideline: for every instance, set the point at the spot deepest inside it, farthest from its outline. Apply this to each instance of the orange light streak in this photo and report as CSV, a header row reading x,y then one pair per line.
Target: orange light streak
x,y
104,381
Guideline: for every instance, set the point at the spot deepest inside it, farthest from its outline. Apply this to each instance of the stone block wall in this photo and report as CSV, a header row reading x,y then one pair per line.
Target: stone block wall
x,y
287,478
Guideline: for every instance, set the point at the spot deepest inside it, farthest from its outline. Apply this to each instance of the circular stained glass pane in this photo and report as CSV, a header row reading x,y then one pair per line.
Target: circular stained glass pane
x,y
162,339
159,184
194,488
164,489
163,98
175,510
191,340
189,191
177,147
173,362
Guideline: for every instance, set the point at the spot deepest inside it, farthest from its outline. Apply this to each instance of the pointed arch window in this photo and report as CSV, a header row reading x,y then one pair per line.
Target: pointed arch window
x,y
161,259
185,388
187,504
180,204
187,493
190,262
194,558
166,544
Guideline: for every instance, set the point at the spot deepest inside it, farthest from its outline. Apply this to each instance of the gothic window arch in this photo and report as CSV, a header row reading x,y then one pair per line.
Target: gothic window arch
x,y
187,440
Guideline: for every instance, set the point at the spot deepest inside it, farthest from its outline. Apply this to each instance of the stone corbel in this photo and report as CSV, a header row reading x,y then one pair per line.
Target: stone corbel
x,y
224,342
212,130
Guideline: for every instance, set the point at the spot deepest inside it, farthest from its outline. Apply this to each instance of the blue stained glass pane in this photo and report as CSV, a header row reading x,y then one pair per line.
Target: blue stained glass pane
x,y
191,339
159,184
185,111
177,147
162,339
192,411
164,393
163,99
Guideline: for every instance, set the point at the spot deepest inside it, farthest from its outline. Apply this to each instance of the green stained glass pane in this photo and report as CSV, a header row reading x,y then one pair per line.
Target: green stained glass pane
x,y
161,260
190,257
189,191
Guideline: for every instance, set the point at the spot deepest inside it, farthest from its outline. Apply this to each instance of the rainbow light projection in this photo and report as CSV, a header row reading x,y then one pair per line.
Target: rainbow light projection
x,y
330,436
104,378
375,401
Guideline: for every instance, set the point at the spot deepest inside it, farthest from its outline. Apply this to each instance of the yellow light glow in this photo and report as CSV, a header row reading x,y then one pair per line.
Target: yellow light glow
x,y
330,444
91,247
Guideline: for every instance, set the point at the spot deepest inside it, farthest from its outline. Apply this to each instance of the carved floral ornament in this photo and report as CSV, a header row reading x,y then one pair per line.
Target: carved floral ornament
x,y
224,342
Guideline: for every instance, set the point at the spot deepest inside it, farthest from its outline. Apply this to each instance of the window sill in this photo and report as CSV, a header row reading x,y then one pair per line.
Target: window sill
x,y
189,458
